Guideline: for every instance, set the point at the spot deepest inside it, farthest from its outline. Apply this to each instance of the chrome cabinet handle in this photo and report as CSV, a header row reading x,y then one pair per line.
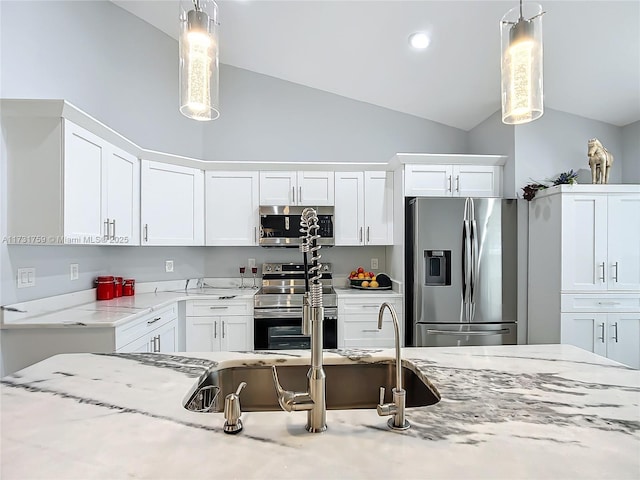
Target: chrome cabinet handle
x,y
114,229
255,234
615,336
608,303
300,193
372,331
457,183
146,232
215,329
293,195
107,229
150,322
615,277
601,337
449,189
602,268
223,332
221,307
368,236
360,236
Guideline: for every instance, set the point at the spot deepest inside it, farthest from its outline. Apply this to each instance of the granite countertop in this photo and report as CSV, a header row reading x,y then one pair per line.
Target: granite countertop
x,y
506,412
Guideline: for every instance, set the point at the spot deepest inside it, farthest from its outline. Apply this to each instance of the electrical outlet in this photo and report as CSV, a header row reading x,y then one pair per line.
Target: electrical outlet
x,y
374,264
168,266
74,271
251,263
26,277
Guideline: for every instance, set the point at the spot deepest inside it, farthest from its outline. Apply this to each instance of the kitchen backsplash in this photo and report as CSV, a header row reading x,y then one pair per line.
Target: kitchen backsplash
x,y
145,264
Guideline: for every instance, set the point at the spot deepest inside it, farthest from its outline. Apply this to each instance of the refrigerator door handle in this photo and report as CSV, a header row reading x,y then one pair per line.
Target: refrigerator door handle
x,y
476,333
466,267
475,263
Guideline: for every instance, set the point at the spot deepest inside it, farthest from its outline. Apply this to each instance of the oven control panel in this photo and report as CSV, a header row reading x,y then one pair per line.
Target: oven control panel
x,y
284,268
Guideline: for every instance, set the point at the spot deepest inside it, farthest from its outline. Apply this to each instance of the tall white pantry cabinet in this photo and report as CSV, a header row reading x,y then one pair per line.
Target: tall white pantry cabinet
x,y
584,269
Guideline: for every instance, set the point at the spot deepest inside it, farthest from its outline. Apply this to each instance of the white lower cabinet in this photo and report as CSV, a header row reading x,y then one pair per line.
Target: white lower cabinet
x,y
612,335
358,321
219,325
156,332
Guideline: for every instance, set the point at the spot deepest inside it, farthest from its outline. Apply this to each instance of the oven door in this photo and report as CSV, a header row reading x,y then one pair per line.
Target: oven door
x,y
281,329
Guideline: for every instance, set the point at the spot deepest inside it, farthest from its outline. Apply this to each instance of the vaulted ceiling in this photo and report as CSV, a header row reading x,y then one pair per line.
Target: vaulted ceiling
x,y
359,49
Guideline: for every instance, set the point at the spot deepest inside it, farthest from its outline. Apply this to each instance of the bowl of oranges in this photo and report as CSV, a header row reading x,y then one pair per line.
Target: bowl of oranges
x,y
363,280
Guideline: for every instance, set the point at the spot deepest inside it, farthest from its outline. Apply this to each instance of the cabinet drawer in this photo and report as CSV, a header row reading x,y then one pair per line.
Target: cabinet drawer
x,y
363,328
129,332
208,308
368,305
599,303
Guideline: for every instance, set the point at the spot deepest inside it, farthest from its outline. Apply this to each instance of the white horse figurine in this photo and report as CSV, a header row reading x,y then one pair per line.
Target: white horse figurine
x,y
600,161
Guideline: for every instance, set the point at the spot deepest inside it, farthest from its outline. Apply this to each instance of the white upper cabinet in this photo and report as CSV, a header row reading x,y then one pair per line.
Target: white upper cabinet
x,y
309,189
600,242
452,180
68,185
363,208
172,204
231,210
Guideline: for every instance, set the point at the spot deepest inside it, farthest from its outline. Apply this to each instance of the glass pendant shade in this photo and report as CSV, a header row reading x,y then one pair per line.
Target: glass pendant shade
x,y
199,60
521,38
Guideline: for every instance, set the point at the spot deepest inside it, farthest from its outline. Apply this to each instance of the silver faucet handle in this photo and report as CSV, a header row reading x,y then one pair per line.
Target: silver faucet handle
x,y
381,402
232,411
386,409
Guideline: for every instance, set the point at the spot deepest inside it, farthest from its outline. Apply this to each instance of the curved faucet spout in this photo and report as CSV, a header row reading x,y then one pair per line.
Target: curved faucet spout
x,y
394,317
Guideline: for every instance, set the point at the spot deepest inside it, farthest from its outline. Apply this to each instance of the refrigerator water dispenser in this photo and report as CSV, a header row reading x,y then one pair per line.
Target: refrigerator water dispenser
x,y
437,267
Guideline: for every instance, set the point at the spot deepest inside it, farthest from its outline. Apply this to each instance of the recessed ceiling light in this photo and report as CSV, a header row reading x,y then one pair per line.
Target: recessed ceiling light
x,y
419,40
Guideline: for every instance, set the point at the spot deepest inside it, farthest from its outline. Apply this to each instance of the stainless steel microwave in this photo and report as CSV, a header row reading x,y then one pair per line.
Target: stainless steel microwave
x,y
280,226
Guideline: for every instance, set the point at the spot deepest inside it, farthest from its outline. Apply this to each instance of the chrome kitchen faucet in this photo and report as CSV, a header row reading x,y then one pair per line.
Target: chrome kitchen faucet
x,y
314,399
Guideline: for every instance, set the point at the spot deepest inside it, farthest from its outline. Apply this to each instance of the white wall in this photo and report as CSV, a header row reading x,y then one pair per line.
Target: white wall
x,y
631,153
557,142
265,118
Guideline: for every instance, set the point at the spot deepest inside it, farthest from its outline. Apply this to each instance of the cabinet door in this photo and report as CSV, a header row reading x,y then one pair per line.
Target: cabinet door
x,y
584,243
349,208
315,189
278,188
586,331
236,335
428,180
122,184
172,204
476,181
623,221
140,345
84,195
623,338
231,209
202,334
167,337
378,208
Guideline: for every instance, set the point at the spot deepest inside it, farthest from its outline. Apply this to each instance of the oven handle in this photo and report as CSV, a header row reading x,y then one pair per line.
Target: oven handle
x,y
330,313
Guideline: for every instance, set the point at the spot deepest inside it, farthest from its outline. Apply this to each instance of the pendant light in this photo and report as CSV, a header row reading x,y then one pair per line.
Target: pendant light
x,y
199,59
521,64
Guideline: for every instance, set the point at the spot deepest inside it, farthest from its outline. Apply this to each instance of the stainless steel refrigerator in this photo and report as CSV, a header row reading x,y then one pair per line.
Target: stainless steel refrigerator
x,y
461,271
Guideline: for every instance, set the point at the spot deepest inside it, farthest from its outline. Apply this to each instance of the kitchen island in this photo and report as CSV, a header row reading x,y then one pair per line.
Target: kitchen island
x,y
506,412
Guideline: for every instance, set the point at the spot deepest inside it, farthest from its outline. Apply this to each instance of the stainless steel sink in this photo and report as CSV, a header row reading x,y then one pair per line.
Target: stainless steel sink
x,y
349,386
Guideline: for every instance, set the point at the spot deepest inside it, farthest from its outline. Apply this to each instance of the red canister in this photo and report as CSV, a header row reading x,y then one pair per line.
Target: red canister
x,y
105,287
128,287
117,289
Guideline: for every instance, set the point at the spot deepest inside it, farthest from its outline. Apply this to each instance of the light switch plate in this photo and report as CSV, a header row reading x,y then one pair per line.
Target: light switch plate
x,y
26,277
168,266
374,263
74,270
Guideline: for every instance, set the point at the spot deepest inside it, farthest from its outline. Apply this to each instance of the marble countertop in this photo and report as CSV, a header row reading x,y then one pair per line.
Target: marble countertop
x,y
59,312
506,412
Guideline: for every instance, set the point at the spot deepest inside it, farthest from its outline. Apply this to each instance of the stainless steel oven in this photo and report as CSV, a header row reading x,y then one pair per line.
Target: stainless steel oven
x,y
278,308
